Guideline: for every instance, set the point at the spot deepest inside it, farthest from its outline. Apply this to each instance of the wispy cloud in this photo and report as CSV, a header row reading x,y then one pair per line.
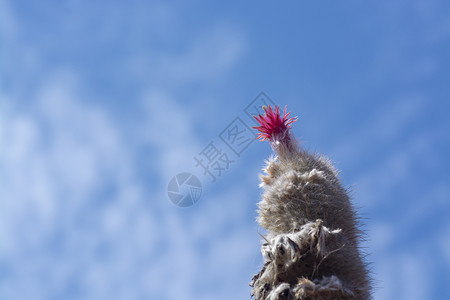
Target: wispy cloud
x,y
79,217
88,222
100,108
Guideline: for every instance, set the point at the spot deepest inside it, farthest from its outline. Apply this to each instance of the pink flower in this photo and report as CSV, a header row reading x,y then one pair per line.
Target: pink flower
x,y
273,127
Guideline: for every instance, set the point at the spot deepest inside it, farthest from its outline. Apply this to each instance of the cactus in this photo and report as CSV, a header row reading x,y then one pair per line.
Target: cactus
x,y
311,250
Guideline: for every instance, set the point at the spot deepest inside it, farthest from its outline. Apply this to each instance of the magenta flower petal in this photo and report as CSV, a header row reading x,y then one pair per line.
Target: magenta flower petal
x,y
272,123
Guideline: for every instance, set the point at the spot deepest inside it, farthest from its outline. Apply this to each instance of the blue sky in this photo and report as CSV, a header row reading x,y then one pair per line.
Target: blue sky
x,y
102,103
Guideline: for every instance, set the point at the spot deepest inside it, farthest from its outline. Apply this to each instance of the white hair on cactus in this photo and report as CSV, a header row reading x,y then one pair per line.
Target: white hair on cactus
x,y
302,198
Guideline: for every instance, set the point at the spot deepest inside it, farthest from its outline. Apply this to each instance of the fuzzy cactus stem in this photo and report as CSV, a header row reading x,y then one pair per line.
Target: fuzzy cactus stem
x,y
311,249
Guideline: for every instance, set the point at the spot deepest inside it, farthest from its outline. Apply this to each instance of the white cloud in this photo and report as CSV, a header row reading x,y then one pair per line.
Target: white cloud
x,y
208,56
168,127
55,155
78,219
60,153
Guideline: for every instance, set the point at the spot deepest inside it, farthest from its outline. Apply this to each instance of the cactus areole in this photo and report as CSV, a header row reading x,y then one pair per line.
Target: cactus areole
x,y
311,249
